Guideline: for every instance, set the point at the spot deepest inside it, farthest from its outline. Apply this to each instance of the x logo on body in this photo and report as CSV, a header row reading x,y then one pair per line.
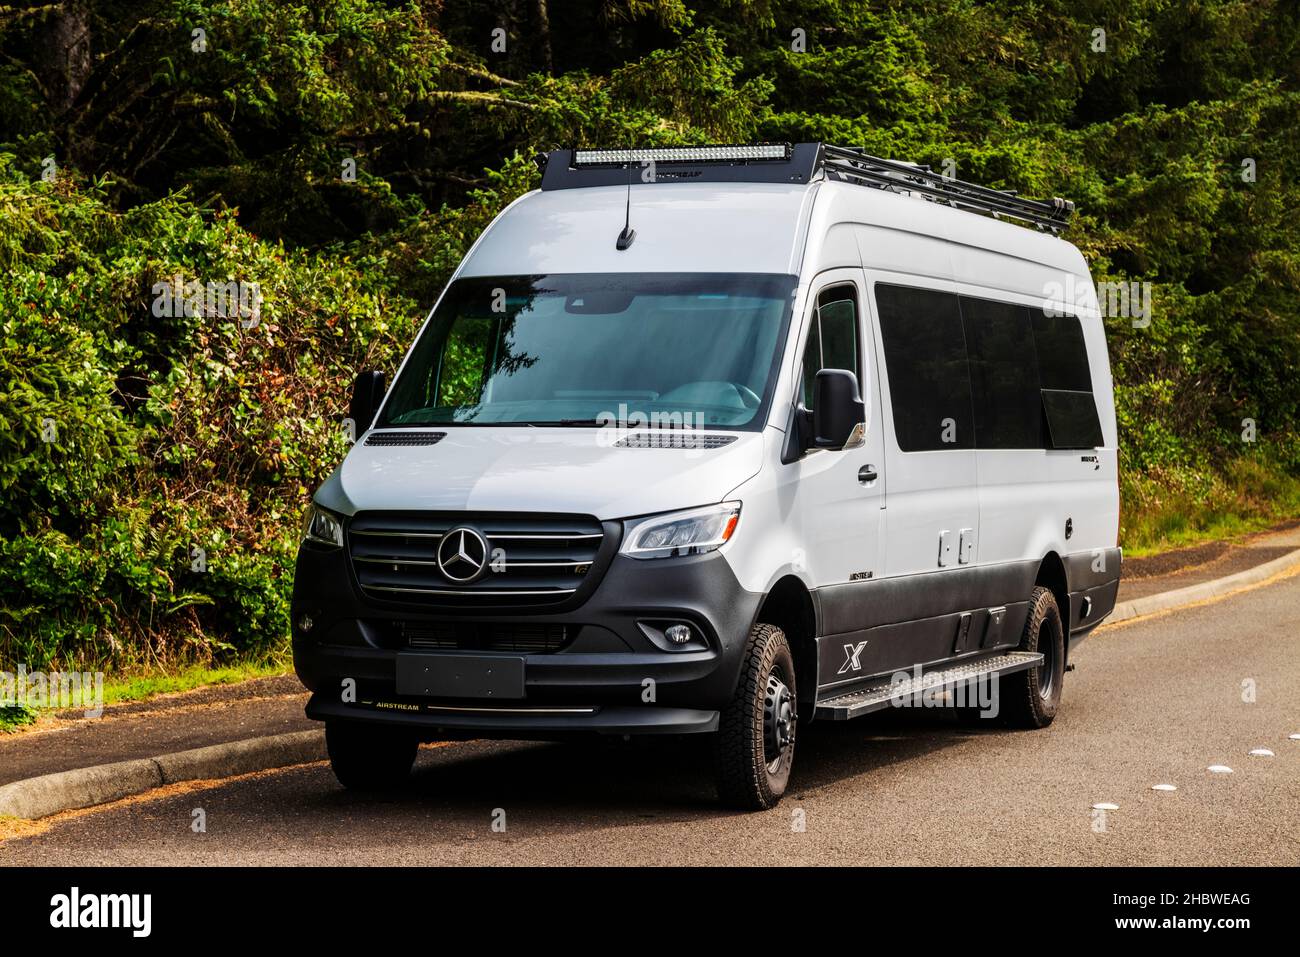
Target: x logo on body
x,y
852,654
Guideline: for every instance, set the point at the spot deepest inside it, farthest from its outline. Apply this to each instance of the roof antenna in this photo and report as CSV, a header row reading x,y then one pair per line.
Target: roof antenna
x,y
628,234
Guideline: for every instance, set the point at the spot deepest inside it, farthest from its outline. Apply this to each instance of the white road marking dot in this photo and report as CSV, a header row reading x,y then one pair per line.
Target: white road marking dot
x,y
1261,753
1164,787
1105,806
1219,769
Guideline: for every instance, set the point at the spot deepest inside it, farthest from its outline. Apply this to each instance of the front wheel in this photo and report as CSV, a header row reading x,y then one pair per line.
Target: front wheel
x,y
368,758
1030,699
754,744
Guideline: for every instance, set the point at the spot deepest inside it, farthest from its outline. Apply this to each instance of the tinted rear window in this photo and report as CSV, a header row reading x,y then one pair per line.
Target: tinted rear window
x,y
1004,376
967,372
925,358
1072,419
1062,355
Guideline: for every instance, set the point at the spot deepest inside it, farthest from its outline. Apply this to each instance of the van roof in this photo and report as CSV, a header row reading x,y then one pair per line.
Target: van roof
x,y
680,227
728,216
749,228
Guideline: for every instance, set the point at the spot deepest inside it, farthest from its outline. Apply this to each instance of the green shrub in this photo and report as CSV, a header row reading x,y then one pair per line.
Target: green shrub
x,y
135,438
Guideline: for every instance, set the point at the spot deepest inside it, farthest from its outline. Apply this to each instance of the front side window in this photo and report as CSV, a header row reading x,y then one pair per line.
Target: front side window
x,y
669,350
832,338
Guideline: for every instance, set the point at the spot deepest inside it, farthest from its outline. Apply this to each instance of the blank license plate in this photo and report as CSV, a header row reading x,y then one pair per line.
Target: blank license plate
x,y
460,676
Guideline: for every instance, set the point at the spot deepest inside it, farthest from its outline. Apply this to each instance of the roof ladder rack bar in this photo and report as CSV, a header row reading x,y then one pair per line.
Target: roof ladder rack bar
x,y
857,156
853,164
953,198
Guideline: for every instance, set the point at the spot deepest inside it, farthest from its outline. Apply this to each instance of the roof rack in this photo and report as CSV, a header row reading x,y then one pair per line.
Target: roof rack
x,y
853,165
794,163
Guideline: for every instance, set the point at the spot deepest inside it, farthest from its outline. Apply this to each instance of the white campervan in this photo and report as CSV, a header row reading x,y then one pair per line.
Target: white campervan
x,y
719,440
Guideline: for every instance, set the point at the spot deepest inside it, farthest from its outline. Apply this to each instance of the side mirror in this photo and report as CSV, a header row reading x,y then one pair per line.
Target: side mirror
x,y
367,394
838,410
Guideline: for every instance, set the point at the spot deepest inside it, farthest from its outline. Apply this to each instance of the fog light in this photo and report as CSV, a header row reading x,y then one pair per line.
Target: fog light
x,y
678,634
305,624
674,635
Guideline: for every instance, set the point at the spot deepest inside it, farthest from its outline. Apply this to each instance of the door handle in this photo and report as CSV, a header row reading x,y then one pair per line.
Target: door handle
x,y
867,474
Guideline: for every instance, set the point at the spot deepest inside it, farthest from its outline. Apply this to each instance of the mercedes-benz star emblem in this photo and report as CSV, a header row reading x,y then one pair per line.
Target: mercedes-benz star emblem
x,y
462,555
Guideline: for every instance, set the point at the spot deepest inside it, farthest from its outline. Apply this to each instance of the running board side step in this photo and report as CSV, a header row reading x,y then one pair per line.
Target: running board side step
x,y
881,695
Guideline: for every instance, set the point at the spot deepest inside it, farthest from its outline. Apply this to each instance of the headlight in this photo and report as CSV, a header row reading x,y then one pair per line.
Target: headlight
x,y
691,532
322,527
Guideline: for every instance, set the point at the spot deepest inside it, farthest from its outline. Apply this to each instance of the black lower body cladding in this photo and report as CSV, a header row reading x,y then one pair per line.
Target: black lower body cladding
x,y
874,628
1094,582
602,666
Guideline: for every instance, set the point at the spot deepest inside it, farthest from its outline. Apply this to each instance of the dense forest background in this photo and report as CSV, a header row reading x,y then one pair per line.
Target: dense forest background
x,y
342,156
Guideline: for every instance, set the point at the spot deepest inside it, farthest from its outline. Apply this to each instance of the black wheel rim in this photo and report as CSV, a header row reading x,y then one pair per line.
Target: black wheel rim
x,y
778,720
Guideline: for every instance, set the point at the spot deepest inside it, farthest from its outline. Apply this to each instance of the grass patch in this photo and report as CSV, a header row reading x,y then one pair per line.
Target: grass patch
x,y
15,716
1171,508
150,684
145,685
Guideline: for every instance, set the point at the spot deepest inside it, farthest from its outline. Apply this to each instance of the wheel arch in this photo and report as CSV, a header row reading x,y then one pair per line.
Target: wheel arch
x,y
1052,575
789,605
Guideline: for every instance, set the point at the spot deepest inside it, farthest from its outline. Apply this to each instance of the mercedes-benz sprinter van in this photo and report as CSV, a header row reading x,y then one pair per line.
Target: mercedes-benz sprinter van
x,y
723,441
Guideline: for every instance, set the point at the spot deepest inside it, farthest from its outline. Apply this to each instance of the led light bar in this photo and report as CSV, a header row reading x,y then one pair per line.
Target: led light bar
x,y
683,154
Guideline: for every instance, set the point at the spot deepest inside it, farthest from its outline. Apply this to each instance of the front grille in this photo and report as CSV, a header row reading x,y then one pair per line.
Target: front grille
x,y
519,637
531,559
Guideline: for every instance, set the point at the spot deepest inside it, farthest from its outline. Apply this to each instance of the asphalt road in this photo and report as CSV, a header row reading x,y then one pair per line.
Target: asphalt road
x,y
1151,702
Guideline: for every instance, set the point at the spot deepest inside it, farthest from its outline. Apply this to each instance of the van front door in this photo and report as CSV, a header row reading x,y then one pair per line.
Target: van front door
x,y
841,491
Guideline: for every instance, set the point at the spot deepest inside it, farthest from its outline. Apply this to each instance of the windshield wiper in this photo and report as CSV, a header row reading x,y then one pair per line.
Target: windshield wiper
x,y
508,424
565,423
599,423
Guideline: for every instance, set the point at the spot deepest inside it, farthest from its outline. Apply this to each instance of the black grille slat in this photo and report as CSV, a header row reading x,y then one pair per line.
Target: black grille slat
x,y
378,576
535,559
405,438
520,638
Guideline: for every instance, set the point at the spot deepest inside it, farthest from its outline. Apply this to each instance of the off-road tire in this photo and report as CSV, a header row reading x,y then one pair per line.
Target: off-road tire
x,y
746,779
1030,699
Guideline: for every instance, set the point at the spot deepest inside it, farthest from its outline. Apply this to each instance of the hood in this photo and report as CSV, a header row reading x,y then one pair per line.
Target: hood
x,y
540,470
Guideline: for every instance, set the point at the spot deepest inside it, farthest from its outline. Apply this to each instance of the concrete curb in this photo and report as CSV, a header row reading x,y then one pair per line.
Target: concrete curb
x,y
85,787
1169,600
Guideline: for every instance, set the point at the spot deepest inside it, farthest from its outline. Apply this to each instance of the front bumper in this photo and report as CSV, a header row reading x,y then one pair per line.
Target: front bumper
x,y
446,720
610,677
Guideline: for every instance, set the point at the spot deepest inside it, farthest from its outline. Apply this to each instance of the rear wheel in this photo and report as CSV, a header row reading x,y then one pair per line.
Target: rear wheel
x,y
1030,699
368,758
754,745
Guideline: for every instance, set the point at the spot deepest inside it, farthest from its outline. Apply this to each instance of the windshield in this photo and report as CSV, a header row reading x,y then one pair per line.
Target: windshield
x,y
667,350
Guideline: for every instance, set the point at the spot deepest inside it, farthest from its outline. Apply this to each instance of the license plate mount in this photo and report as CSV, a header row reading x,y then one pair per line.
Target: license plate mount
x,y
460,676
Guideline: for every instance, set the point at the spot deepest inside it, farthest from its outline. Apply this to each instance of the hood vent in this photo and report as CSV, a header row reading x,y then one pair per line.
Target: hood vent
x,y
673,440
405,438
